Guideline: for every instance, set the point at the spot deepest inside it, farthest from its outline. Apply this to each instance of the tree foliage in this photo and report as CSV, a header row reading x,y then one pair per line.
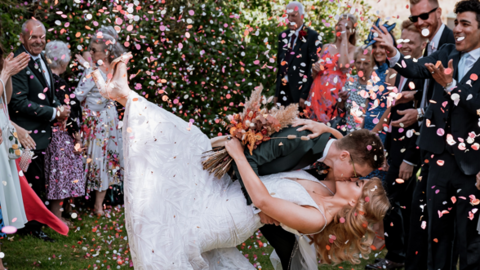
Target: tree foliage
x,y
196,58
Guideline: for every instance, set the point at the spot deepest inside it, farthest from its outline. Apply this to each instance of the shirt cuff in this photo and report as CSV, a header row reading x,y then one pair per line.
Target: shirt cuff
x,y
409,163
452,86
394,60
54,114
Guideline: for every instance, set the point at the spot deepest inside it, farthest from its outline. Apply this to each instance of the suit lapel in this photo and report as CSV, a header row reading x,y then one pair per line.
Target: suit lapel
x,y
51,88
296,47
455,55
466,77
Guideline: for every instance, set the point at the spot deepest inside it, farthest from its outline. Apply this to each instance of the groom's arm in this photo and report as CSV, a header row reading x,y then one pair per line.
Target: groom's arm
x,y
268,151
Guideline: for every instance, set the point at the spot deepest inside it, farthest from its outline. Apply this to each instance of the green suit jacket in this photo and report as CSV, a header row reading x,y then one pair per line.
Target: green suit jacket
x,y
33,102
281,154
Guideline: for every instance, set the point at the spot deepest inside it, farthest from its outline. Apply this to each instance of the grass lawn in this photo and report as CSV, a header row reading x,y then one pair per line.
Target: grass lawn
x,y
101,243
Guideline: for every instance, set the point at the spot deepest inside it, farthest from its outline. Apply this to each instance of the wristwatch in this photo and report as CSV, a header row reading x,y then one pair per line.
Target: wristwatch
x,y
419,114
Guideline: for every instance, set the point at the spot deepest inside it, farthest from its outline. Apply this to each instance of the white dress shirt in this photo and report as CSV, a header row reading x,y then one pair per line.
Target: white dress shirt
x,y
297,33
47,77
325,151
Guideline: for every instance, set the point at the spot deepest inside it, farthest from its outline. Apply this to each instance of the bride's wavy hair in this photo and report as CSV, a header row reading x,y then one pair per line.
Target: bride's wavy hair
x,y
350,235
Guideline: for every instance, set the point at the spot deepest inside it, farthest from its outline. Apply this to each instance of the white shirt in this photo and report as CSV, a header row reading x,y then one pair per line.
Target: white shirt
x,y
47,77
297,33
470,61
325,151
432,47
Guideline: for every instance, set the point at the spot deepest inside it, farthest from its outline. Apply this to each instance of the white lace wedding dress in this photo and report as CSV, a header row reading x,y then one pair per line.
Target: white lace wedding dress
x,y
178,216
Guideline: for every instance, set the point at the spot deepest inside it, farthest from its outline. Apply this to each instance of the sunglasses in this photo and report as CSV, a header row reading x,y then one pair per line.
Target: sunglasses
x,y
423,16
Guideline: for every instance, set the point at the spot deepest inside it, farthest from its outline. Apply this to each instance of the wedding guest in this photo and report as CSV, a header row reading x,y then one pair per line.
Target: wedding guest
x,y
426,15
452,199
64,170
86,57
12,210
330,73
354,93
297,52
102,136
403,159
34,106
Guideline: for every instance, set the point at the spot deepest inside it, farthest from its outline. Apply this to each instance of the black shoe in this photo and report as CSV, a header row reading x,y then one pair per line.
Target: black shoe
x,y
43,236
385,264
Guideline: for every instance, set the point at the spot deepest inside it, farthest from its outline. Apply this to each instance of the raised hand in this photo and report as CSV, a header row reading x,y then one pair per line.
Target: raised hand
x,y
440,74
13,65
385,40
409,117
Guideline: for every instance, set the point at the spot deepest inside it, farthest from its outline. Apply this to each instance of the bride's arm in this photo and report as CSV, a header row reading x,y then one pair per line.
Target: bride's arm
x,y
306,220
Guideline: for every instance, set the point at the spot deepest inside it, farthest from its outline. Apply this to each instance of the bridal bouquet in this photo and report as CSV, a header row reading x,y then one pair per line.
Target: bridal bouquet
x,y
252,127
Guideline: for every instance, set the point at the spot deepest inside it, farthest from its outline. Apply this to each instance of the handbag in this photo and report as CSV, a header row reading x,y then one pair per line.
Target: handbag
x,y
114,195
12,144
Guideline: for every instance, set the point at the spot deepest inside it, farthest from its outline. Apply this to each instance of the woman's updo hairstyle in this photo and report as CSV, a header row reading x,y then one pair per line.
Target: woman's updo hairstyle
x,y
110,45
349,236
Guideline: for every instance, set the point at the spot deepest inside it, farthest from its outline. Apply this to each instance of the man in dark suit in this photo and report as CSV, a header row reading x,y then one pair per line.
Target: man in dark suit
x,y
342,160
297,52
403,160
448,134
34,106
426,15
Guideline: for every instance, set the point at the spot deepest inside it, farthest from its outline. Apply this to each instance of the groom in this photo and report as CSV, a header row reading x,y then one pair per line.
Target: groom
x,y
345,159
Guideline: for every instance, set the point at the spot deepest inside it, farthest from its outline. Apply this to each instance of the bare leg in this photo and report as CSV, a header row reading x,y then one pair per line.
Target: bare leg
x,y
99,196
56,208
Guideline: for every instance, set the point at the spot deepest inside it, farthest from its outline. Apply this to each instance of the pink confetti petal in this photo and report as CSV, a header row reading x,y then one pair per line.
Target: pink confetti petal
x,y
9,230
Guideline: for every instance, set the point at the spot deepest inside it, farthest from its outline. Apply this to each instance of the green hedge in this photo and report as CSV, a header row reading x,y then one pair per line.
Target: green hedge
x,y
198,59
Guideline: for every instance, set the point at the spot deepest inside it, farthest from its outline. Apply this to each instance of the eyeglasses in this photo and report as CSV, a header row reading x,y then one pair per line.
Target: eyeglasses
x,y
353,165
423,16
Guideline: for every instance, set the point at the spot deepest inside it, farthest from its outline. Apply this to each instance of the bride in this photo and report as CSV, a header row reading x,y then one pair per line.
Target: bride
x,y
178,216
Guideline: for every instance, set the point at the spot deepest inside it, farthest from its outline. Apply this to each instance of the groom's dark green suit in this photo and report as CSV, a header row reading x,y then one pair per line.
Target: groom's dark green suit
x,y
281,154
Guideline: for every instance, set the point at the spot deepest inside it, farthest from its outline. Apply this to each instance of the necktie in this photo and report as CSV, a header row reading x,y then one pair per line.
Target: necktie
x,y
425,52
41,70
289,54
462,66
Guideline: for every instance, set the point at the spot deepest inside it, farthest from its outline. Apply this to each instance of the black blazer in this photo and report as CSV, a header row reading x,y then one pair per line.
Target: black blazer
x,y
398,145
463,118
283,155
300,64
446,38
28,108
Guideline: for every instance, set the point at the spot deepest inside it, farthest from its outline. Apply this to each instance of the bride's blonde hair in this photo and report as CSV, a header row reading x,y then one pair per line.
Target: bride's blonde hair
x,y
350,232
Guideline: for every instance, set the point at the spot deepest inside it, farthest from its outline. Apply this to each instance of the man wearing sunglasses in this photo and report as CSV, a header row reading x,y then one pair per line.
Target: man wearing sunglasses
x,y
426,16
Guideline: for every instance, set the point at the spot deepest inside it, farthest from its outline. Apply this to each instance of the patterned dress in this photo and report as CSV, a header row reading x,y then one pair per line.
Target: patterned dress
x,y
325,87
64,170
377,105
101,136
355,104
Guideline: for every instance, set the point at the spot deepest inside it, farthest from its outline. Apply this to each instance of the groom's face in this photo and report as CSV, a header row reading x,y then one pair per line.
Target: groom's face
x,y
345,169
295,20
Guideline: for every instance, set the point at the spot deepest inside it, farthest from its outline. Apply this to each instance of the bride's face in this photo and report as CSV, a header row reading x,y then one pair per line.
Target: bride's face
x,y
351,191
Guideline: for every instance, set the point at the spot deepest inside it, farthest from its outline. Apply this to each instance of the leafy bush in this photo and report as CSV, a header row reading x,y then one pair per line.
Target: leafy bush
x,y
196,58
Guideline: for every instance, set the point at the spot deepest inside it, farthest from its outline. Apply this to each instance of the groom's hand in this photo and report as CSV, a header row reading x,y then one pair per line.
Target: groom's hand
x,y
267,219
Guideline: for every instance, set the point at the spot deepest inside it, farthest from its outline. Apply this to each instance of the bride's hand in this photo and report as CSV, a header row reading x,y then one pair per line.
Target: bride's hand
x,y
234,148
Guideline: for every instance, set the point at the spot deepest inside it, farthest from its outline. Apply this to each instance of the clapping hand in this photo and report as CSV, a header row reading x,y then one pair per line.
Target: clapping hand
x,y
13,65
405,97
317,67
25,139
62,113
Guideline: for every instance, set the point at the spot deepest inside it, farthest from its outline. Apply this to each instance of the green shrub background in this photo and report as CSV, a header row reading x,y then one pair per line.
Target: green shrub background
x,y
198,59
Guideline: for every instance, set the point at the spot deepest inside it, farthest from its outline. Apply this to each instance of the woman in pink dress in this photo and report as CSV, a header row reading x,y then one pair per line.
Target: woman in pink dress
x,y
330,73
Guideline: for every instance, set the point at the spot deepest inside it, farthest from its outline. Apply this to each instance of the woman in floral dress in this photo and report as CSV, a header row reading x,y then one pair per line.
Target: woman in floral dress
x,y
63,161
101,133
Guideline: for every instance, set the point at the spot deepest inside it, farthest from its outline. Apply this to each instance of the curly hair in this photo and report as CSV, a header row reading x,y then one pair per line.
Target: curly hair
x,y
109,44
350,235
469,5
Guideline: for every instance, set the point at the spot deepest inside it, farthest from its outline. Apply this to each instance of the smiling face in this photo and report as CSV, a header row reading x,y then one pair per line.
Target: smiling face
x,y
434,19
466,32
379,53
295,19
412,44
33,39
364,64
